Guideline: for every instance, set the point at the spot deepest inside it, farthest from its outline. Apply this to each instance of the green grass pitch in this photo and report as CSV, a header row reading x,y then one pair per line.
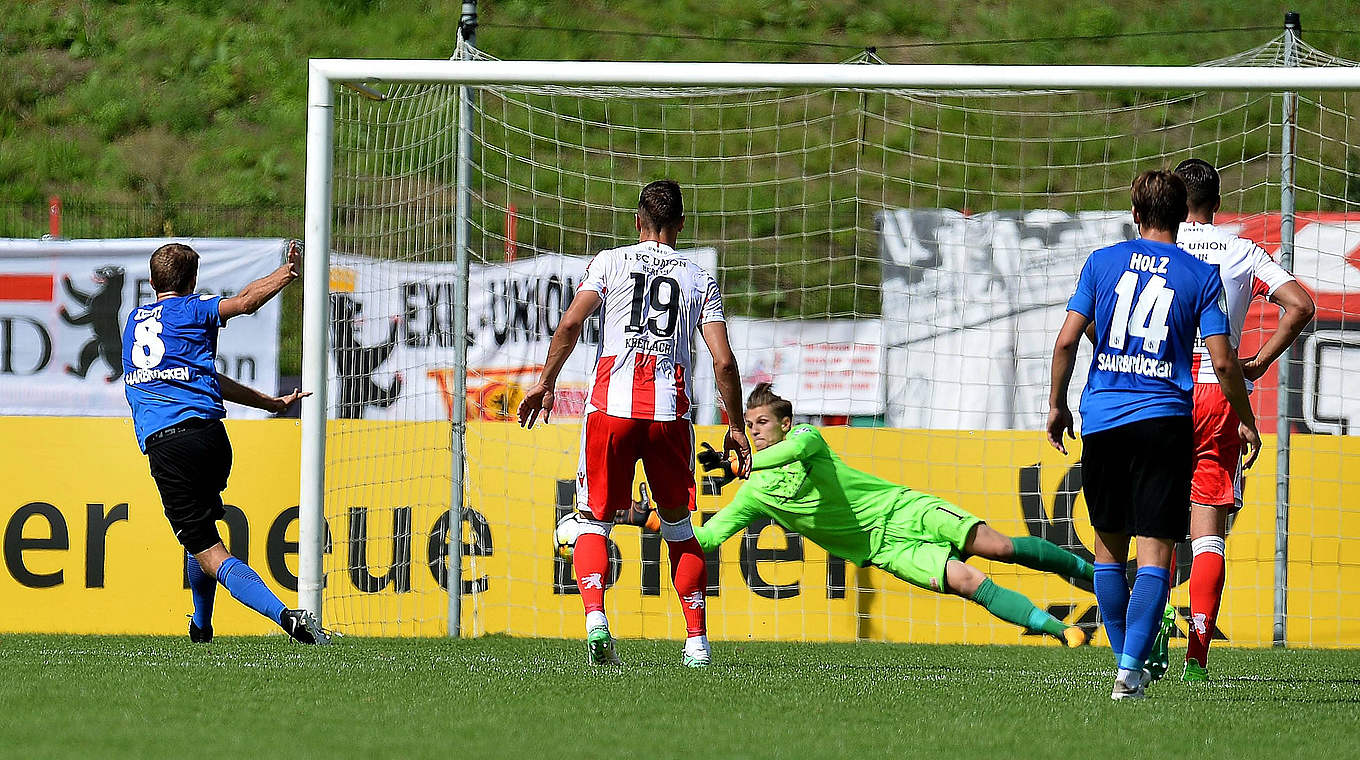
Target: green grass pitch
x,y
147,697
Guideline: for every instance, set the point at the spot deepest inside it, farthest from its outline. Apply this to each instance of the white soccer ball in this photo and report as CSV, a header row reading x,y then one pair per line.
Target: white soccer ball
x,y
565,534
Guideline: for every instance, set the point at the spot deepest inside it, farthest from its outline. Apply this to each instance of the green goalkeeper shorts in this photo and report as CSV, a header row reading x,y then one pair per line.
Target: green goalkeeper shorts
x,y
921,535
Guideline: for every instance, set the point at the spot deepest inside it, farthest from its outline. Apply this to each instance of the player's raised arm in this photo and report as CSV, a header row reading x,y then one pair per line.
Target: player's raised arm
x,y
258,293
729,388
539,398
246,396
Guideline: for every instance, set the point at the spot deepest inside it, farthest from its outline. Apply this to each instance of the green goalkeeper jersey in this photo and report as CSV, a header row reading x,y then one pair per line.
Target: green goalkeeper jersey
x,y
801,484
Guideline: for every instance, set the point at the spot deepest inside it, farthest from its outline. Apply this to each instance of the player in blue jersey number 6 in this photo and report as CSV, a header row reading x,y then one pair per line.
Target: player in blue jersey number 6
x,y
1145,298
176,396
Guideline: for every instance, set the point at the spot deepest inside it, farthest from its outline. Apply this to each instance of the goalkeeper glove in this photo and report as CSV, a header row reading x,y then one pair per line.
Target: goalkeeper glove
x,y
712,460
640,512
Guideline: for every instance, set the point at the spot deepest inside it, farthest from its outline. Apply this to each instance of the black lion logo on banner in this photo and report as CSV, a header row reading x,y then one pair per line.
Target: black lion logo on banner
x,y
355,363
101,314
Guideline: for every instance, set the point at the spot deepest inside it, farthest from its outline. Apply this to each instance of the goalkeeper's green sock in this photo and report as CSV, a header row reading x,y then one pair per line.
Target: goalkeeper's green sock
x,y
1047,556
1015,607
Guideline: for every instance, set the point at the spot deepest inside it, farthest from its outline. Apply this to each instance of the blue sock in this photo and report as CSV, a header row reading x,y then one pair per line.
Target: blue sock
x,y
1112,596
203,587
1146,605
246,586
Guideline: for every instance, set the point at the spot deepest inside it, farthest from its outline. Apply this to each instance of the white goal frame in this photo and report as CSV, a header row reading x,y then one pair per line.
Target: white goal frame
x,y
325,74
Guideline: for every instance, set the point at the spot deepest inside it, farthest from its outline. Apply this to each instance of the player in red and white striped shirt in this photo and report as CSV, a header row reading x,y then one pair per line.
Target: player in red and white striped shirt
x,y
653,300
1216,489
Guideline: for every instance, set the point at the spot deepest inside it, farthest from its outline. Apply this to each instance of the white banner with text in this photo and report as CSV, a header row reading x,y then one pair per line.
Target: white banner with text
x,y
63,304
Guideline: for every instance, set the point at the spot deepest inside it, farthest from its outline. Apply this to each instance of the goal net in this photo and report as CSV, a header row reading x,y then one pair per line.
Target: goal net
x,y
896,261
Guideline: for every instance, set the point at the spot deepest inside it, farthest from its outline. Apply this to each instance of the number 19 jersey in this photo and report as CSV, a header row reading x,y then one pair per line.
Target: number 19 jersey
x,y
654,300
1146,300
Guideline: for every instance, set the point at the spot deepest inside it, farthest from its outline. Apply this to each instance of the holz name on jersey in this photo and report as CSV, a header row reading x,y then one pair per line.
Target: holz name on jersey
x,y
1143,263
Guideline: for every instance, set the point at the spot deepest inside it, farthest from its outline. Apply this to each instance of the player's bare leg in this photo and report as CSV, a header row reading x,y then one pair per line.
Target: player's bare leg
x,y
1026,551
689,575
962,579
1208,527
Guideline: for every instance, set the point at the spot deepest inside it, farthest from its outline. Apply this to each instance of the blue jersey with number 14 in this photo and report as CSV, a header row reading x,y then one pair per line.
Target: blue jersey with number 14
x,y
169,348
1146,300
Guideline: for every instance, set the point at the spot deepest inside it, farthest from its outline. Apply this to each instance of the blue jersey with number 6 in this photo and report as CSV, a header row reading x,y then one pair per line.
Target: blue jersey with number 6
x,y
1146,299
169,349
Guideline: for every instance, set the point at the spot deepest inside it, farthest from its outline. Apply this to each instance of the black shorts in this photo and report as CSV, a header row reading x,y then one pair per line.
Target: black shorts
x,y
190,462
1136,477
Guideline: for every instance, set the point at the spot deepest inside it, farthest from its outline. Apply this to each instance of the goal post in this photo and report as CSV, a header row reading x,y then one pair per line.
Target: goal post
x,y
406,192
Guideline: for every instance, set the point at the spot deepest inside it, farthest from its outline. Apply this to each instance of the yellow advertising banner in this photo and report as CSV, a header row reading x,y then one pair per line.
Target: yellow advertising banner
x,y
87,549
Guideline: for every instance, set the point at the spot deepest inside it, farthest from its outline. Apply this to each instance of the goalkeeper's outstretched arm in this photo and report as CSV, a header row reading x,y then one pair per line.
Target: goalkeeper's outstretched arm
x,y
728,521
802,443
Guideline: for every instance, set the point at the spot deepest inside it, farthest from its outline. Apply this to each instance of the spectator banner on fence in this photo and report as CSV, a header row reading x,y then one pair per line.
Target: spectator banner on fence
x,y
392,340
62,308
824,367
972,305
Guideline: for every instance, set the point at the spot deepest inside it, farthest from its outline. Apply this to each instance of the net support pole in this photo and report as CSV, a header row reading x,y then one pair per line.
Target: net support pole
x,y
315,339
1284,370
467,26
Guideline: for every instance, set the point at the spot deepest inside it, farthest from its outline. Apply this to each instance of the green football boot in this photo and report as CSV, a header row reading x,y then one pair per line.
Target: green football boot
x,y
1159,659
1195,673
600,647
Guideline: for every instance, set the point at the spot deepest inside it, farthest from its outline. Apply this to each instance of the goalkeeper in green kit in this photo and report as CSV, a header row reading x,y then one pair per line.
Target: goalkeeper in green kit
x,y
799,483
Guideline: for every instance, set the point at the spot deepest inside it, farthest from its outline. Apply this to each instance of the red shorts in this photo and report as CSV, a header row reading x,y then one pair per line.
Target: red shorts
x,y
1217,479
610,450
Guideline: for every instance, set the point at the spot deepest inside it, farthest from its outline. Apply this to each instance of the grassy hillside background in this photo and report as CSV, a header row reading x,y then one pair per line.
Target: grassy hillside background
x,y
187,117
199,102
